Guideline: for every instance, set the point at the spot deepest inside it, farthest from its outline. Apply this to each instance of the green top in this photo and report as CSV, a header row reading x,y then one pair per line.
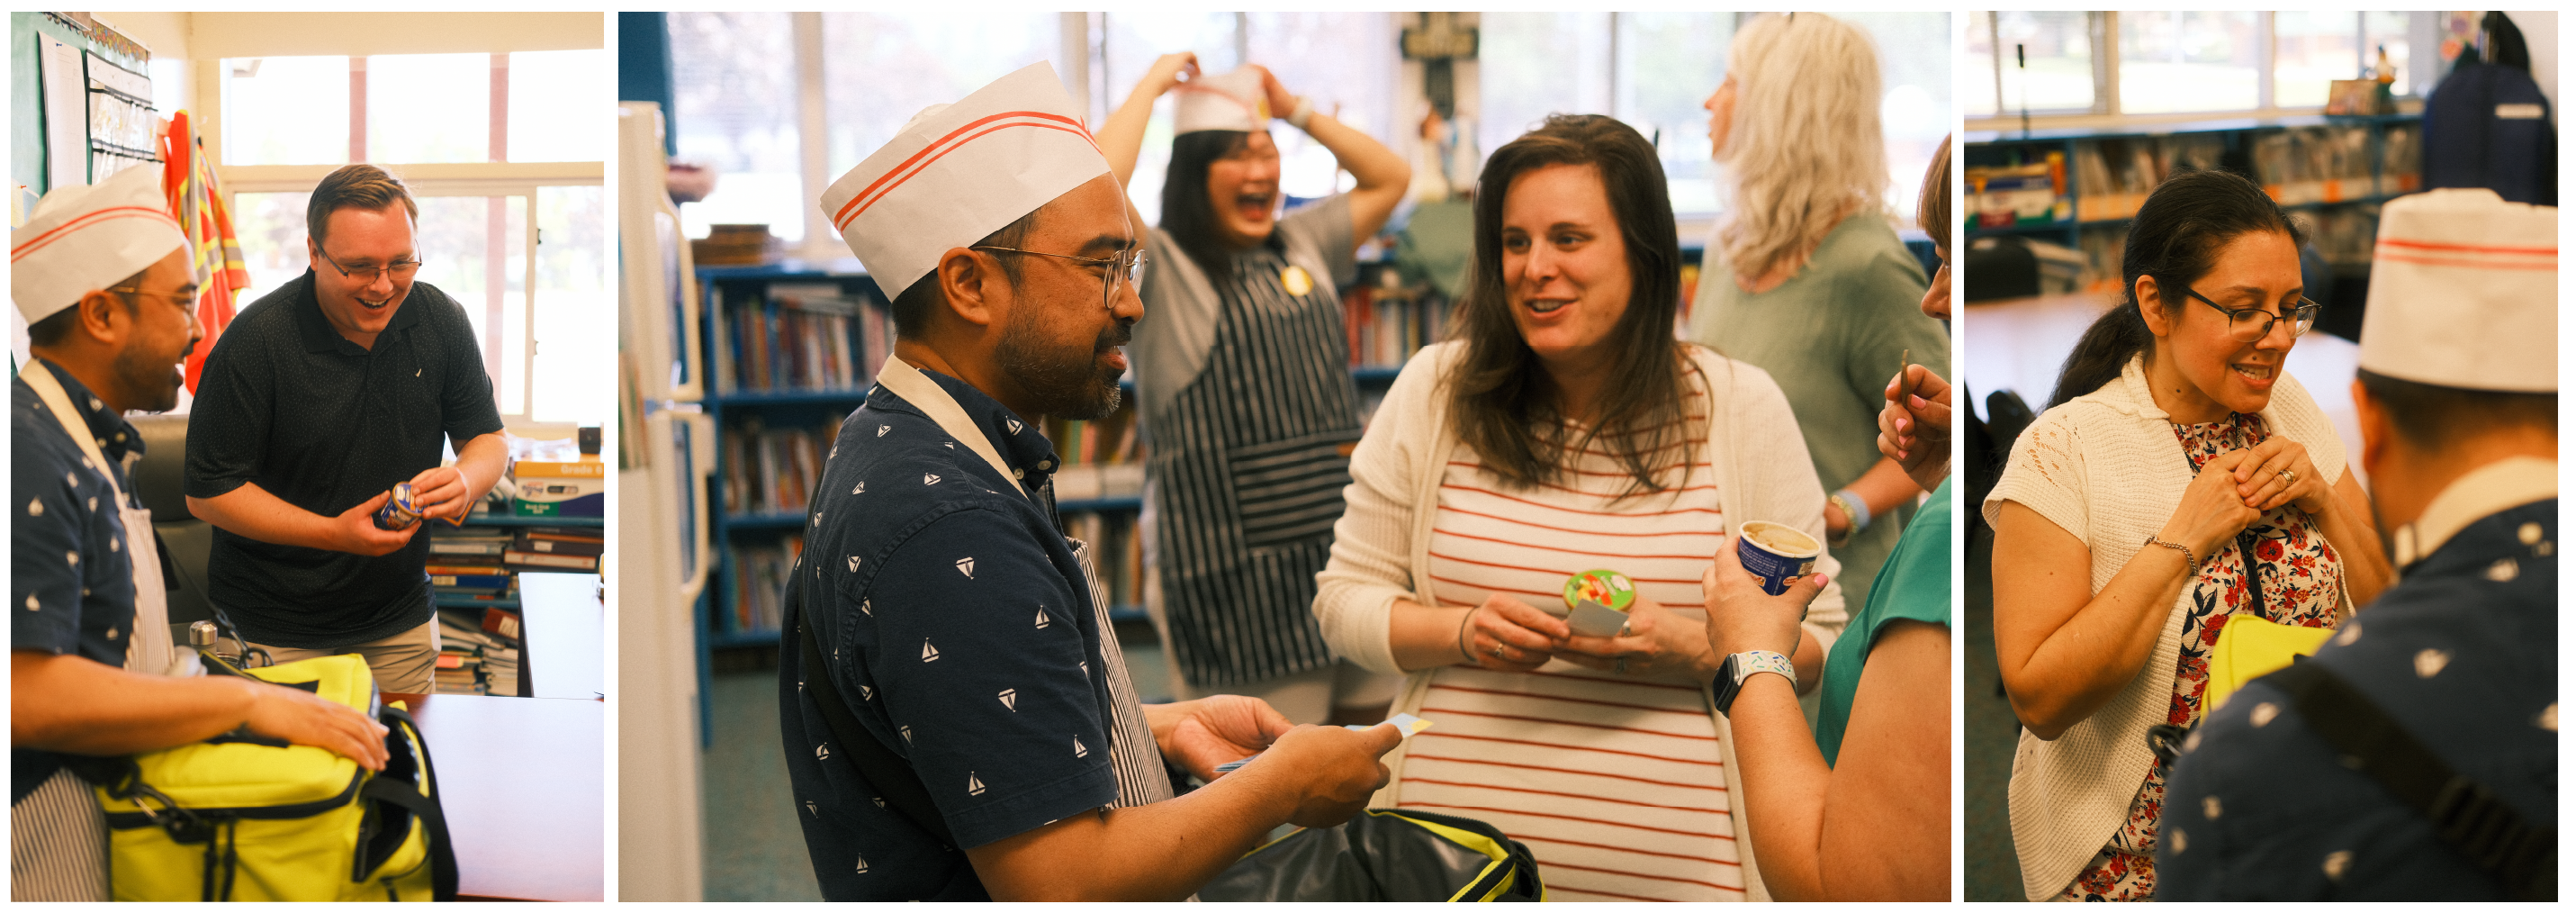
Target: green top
x,y
1831,336
1917,588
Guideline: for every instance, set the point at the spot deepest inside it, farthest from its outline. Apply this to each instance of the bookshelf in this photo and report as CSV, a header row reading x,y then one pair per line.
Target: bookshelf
x,y
477,653
2090,182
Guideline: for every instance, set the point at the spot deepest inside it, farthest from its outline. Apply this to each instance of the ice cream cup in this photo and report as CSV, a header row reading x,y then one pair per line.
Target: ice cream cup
x,y
1776,555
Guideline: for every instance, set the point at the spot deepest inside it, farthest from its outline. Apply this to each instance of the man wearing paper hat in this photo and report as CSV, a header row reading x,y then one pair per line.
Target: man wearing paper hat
x,y
957,719
1240,299
101,275
317,400
2414,757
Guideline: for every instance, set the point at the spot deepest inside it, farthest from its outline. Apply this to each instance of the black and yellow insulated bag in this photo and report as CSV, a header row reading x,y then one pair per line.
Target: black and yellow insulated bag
x,y
242,817
1385,856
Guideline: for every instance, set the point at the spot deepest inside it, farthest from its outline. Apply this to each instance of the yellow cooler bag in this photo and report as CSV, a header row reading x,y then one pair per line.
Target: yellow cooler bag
x,y
242,817
2249,648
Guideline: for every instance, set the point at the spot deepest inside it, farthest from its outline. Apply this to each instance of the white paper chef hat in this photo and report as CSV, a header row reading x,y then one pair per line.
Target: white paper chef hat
x,y
84,238
1222,102
959,171
2464,293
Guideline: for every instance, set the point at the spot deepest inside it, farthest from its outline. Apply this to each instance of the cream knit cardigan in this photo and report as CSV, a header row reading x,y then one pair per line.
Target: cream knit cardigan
x,y
1382,545
2106,467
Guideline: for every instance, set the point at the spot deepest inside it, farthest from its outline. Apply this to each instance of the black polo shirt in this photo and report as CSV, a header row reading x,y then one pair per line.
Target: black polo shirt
x,y
71,587
959,624
289,404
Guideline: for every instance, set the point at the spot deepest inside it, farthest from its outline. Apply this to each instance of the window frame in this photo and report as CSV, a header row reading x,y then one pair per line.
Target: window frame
x,y
2106,110
475,180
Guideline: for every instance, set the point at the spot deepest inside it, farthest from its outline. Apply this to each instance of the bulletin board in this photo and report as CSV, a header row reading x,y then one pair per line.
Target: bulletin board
x,y
95,114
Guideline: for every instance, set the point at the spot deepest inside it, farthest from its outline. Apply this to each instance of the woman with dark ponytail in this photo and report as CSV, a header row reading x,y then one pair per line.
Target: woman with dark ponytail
x,y
2180,478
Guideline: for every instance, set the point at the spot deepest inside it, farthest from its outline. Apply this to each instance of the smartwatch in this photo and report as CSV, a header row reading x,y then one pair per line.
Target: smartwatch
x,y
1732,672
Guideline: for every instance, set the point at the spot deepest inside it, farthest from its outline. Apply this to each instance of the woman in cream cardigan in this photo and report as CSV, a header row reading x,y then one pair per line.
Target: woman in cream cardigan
x,y
1564,431
2178,451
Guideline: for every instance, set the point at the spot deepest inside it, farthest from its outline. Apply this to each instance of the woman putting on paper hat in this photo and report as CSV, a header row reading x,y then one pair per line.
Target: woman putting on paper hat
x,y
1244,375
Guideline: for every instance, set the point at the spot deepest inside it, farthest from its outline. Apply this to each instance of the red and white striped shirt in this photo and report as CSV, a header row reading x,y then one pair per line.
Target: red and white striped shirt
x,y
1614,782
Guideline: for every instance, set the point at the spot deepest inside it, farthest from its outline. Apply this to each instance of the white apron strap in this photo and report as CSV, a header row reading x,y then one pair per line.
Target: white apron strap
x,y
917,388
147,647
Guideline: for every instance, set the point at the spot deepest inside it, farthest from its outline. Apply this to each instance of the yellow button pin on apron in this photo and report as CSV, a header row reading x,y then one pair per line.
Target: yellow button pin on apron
x,y
1296,281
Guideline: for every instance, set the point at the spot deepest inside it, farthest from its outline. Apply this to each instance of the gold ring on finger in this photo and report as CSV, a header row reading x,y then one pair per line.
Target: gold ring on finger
x,y
2289,477
1498,649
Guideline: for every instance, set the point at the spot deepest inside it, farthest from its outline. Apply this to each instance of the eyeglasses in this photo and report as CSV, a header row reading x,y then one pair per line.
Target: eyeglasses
x,y
1130,265
2250,324
402,271
182,298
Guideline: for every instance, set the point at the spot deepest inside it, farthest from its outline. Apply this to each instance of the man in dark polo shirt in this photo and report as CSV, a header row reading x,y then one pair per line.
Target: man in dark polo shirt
x,y
315,402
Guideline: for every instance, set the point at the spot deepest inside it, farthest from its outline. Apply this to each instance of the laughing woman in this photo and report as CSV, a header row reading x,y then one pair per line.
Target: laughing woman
x,y
1244,375
1565,430
2181,478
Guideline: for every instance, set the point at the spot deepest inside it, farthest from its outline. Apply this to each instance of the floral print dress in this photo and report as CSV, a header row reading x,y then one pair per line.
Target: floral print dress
x,y
2301,579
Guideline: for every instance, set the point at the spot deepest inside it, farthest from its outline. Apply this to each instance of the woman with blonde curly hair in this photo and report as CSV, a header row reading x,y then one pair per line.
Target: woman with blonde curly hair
x,y
1805,277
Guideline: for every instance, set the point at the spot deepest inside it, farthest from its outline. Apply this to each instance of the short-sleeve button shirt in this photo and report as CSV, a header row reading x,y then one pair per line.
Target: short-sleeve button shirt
x,y
71,585
287,403
961,627
2463,653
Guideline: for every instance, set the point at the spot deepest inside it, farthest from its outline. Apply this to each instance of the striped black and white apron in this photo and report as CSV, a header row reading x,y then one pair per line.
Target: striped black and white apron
x,y
1248,467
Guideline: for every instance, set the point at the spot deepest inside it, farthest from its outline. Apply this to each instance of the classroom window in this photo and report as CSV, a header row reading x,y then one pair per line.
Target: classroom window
x,y
1914,111
1128,45
428,108
882,68
554,111
1668,65
2027,60
286,110
1529,65
734,76
1341,63
2188,62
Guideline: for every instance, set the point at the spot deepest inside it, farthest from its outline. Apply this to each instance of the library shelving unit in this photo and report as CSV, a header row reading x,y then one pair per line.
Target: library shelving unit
x,y
2335,168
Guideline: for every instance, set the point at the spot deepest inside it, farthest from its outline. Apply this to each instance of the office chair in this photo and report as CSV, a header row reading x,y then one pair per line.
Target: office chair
x,y
185,540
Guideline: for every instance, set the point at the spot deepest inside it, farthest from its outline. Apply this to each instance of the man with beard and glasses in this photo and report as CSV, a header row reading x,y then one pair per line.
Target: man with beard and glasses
x,y
960,724
2415,756
101,275
317,400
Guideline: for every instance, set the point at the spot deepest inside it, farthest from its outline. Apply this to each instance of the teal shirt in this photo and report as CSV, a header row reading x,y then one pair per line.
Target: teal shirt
x,y
1915,586
1831,336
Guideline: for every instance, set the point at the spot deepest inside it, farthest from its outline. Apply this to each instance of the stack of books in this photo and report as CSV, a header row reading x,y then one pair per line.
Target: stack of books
x,y
467,565
477,655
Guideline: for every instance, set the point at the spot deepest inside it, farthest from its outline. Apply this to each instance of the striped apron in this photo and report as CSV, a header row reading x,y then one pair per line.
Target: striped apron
x,y
58,835
1249,463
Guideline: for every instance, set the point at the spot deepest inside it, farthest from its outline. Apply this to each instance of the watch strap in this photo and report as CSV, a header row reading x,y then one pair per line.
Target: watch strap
x,y
1732,674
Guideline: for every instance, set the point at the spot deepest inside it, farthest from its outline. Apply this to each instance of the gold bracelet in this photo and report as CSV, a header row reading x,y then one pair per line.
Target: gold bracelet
x,y
2187,556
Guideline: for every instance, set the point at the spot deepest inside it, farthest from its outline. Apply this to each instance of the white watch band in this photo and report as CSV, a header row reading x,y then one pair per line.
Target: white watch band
x,y
1299,116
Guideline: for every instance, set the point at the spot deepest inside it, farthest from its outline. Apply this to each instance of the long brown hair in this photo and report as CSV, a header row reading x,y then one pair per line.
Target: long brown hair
x,y
1503,403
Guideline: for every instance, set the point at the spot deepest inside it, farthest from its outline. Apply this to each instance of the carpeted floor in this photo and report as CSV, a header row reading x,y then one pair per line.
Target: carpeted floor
x,y
754,851
1994,874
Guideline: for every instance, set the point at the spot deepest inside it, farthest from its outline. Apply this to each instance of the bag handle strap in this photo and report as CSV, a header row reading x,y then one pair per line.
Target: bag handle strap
x,y
890,774
2465,814
433,816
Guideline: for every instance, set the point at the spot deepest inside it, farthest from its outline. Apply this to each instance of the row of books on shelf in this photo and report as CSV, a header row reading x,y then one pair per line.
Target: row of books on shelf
x,y
2111,177
771,471
799,337
760,572
478,652
2344,236
1102,457
481,564
1387,325
1117,553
